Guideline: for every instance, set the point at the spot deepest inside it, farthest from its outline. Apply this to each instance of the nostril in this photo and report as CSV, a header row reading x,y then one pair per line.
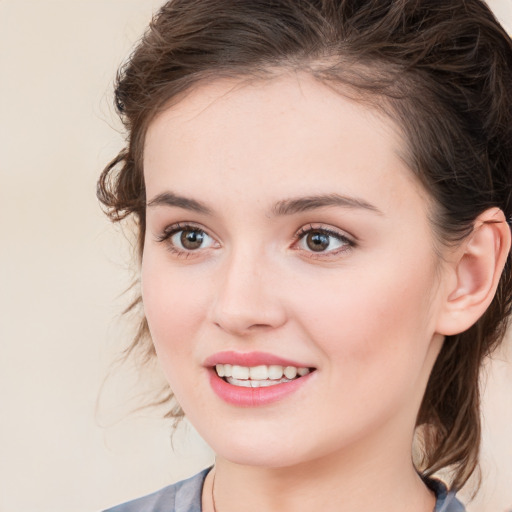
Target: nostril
x,y
259,326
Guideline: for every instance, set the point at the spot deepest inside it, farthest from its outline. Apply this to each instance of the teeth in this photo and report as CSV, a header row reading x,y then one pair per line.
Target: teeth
x,y
255,383
240,372
290,372
263,374
275,372
224,370
258,372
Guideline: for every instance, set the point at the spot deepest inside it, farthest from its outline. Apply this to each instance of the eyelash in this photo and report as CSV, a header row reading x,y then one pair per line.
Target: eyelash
x,y
347,242
300,235
170,231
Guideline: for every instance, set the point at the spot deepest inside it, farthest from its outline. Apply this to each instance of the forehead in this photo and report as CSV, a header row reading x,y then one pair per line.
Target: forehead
x,y
283,132
296,96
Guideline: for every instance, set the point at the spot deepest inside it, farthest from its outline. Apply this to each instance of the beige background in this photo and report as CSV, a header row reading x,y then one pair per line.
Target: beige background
x,y
63,269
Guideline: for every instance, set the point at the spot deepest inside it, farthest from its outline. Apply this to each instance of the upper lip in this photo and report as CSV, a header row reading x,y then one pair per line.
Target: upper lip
x,y
250,359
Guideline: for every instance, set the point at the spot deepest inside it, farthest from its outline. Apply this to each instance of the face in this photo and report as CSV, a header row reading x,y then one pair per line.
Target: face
x,y
286,234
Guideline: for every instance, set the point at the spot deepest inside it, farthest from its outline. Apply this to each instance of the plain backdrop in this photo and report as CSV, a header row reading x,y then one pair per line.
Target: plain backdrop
x,y
68,441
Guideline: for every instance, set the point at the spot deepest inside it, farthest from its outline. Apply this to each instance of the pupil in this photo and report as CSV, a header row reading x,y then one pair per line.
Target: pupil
x,y
192,239
317,241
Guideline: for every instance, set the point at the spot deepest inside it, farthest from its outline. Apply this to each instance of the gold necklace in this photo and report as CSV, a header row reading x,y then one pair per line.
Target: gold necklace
x,y
213,491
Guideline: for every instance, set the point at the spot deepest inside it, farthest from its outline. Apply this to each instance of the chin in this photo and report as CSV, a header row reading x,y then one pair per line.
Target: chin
x,y
258,449
260,458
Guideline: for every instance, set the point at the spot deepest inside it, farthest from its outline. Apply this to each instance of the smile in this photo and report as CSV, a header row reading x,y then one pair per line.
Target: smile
x,y
259,376
256,379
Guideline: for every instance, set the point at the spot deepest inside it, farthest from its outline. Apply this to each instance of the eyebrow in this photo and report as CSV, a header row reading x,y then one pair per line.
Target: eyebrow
x,y
303,204
171,199
281,208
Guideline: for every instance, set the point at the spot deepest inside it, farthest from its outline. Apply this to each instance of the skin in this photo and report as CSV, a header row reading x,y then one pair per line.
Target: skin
x,y
364,312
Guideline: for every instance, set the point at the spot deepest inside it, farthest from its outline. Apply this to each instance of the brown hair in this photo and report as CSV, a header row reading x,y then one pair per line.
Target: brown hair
x,y
441,70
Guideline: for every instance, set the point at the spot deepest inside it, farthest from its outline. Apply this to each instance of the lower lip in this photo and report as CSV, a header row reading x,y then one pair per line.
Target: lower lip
x,y
255,397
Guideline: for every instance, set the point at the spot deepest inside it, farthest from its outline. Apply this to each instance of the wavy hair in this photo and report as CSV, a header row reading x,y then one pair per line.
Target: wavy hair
x,y
441,70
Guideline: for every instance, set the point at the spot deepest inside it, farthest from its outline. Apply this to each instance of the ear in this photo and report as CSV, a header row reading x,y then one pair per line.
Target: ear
x,y
475,271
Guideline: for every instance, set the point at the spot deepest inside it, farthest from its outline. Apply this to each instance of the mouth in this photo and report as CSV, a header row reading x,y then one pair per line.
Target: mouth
x,y
254,379
260,376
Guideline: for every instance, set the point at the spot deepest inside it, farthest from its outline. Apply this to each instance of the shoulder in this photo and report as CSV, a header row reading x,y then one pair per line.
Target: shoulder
x,y
446,500
184,496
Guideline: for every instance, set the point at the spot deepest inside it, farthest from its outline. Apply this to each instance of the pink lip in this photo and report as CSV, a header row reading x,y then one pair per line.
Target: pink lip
x,y
254,397
250,359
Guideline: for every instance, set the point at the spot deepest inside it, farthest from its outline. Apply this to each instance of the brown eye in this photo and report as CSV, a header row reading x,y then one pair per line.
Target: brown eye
x,y
323,240
187,239
317,241
192,239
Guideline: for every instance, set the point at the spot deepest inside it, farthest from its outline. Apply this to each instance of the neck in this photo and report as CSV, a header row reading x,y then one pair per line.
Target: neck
x,y
324,484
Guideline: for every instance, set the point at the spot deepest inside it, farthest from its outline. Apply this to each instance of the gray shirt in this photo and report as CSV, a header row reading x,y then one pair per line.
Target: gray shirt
x,y
185,496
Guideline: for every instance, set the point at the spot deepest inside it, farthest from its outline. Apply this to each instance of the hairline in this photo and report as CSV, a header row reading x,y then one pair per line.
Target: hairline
x,y
325,69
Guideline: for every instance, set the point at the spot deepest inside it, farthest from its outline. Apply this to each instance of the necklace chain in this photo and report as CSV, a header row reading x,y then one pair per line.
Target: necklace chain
x,y
213,491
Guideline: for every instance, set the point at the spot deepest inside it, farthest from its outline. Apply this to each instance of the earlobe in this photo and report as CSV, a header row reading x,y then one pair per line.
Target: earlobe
x,y
477,269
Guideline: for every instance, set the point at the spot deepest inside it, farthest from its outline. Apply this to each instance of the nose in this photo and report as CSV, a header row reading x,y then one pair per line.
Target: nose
x,y
248,296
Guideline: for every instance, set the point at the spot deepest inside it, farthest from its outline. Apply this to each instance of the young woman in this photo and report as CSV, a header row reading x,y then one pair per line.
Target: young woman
x,y
322,190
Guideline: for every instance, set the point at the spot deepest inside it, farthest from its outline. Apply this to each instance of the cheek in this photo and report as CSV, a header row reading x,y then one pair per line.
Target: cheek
x,y
174,305
375,344
175,317
374,323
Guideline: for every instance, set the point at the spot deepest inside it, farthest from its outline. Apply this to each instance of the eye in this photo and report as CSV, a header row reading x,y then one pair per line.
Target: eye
x,y
190,239
323,240
184,239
